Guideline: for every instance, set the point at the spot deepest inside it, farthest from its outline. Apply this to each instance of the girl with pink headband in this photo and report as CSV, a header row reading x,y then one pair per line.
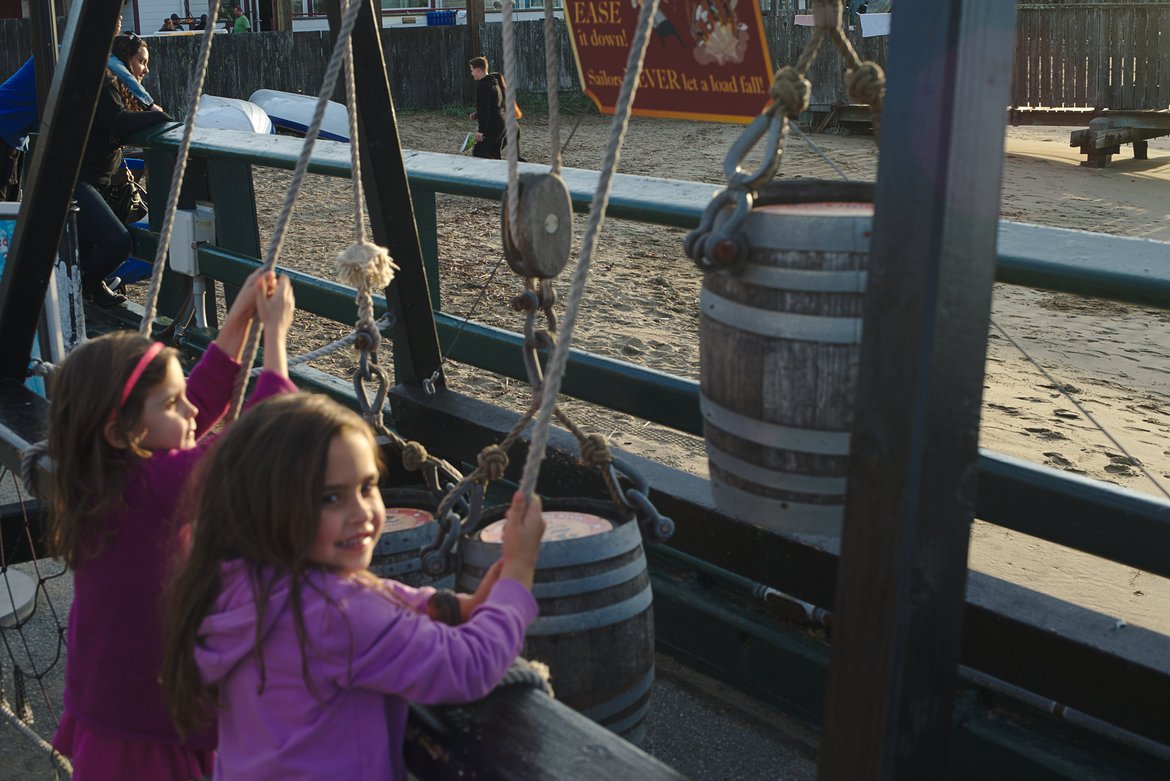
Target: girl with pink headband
x,y
126,430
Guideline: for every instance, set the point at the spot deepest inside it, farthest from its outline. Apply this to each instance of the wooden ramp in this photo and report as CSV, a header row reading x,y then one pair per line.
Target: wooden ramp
x,y
1107,132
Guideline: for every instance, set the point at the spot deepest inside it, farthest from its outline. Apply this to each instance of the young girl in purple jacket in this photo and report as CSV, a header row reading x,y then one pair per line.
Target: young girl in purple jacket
x,y
278,627
125,431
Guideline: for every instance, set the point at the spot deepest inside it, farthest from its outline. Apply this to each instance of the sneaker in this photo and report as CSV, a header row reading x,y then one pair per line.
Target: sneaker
x,y
101,295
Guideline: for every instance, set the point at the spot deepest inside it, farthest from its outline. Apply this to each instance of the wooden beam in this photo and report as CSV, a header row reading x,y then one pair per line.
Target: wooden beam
x,y
519,732
898,618
52,174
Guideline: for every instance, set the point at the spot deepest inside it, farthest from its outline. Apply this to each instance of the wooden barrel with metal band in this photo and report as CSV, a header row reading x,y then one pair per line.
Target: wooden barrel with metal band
x,y
595,630
780,338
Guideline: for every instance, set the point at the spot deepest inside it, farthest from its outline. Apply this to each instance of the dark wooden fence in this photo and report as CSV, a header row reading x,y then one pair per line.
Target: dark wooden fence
x,y
1095,55
1069,55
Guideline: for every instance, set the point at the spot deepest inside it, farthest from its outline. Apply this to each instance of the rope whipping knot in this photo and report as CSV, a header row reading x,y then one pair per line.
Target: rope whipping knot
x,y
493,462
595,451
866,83
366,266
790,92
414,456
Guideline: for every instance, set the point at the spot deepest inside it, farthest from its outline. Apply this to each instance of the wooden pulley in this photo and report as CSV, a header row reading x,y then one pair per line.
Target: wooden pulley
x,y
545,231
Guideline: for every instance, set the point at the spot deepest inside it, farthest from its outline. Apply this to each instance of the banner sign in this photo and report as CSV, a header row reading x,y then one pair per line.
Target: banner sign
x,y
706,59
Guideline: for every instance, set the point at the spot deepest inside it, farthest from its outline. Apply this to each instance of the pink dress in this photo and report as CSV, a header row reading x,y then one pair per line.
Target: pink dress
x,y
114,724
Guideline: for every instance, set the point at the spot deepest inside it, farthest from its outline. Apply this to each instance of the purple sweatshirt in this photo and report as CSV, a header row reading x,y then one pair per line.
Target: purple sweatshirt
x,y
115,635
370,649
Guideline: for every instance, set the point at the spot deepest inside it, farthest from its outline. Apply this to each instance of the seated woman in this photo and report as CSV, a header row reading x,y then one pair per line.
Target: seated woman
x,y
104,242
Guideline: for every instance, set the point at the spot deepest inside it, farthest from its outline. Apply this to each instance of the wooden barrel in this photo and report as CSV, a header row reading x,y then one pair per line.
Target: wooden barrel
x,y
596,625
780,339
410,526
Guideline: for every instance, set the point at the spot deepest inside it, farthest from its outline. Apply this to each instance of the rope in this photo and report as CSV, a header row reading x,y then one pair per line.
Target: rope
x,y
820,152
552,73
511,127
381,324
180,171
1081,408
30,461
362,264
527,673
336,59
560,357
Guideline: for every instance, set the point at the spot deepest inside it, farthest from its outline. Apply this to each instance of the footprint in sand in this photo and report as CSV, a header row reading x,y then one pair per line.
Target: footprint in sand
x,y
1065,413
1046,433
1056,459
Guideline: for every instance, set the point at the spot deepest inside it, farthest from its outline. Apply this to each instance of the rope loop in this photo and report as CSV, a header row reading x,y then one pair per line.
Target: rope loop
x,y
524,672
866,83
595,451
414,455
790,92
493,462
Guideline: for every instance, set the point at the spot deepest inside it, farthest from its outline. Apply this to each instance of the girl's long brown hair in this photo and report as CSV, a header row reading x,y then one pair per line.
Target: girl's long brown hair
x,y
88,471
259,501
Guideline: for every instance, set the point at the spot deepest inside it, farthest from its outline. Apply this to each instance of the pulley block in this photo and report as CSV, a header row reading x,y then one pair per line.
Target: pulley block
x,y
541,244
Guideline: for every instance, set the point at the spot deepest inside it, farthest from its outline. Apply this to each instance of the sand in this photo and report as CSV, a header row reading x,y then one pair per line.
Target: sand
x,y
641,306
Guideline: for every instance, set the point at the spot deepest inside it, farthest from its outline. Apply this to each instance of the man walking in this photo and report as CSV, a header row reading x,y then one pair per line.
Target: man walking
x,y
489,110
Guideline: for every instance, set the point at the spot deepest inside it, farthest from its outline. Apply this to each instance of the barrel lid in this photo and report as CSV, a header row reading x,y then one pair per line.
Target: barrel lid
x,y
399,518
559,525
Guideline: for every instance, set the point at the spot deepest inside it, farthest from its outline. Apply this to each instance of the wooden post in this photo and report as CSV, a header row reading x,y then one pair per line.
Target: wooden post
x,y
52,174
475,22
282,16
898,618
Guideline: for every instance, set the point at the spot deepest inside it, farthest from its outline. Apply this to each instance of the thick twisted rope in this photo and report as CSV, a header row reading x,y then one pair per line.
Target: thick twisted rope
x,y
363,264
336,60
164,238
511,127
552,73
560,356
381,324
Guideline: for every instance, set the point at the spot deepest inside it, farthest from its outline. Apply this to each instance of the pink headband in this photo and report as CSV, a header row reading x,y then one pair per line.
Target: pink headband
x,y
139,368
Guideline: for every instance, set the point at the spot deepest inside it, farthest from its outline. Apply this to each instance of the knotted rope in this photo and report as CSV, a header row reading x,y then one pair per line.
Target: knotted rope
x,y
363,265
350,10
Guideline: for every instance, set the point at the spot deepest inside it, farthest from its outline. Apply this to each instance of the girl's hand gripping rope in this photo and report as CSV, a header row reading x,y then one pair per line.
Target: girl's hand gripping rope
x,y
523,529
275,305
